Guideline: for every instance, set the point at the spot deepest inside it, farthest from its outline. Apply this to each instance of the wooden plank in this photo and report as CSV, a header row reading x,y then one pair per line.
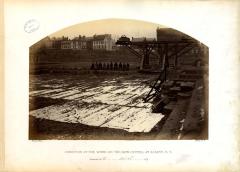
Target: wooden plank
x,y
109,104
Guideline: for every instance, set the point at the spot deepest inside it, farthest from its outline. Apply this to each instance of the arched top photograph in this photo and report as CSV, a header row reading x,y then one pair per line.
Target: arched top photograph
x,y
118,79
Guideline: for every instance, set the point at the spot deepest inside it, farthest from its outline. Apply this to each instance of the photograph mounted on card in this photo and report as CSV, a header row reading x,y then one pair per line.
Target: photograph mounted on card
x,y
118,79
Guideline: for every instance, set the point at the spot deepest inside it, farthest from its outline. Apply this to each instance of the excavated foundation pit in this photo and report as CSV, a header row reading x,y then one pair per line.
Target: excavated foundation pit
x,y
102,107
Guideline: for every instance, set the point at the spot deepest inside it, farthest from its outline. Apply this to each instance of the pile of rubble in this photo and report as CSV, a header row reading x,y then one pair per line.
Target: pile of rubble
x,y
171,92
182,103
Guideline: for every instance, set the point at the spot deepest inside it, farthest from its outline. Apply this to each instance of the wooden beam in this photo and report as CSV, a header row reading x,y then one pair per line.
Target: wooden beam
x,y
178,51
134,52
176,56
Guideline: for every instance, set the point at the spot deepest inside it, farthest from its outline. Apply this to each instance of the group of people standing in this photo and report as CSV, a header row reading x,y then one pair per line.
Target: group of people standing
x,y
110,66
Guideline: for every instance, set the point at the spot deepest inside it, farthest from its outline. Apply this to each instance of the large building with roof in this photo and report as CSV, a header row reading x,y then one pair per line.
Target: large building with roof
x,y
170,34
103,42
96,42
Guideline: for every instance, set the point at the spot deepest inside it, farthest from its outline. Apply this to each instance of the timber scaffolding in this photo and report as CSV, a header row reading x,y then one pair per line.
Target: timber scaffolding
x,y
164,50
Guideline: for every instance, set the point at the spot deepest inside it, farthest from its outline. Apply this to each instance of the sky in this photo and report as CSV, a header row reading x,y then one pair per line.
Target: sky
x,y
116,27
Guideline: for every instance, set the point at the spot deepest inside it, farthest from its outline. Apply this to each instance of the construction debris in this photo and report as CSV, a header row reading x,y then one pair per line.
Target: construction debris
x,y
103,103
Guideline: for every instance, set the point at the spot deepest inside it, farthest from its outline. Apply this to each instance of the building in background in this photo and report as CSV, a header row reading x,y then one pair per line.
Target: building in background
x,y
79,43
169,34
103,42
82,43
95,42
89,43
142,39
67,44
75,43
57,42
196,54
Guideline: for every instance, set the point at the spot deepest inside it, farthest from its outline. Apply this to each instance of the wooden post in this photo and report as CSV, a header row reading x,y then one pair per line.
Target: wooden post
x,y
176,56
146,54
166,65
161,55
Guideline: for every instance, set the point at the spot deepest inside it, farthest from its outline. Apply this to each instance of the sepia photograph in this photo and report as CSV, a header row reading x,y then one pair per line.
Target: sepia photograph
x,y
118,79
119,86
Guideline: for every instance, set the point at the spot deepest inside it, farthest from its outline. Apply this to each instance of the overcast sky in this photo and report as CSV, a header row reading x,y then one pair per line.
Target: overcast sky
x,y
116,27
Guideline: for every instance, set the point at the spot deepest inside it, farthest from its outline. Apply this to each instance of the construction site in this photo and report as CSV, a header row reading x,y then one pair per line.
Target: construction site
x,y
146,89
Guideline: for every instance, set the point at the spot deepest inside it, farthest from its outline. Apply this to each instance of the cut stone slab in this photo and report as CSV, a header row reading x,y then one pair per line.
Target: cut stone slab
x,y
173,122
168,84
169,107
158,106
195,111
175,89
187,86
184,95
